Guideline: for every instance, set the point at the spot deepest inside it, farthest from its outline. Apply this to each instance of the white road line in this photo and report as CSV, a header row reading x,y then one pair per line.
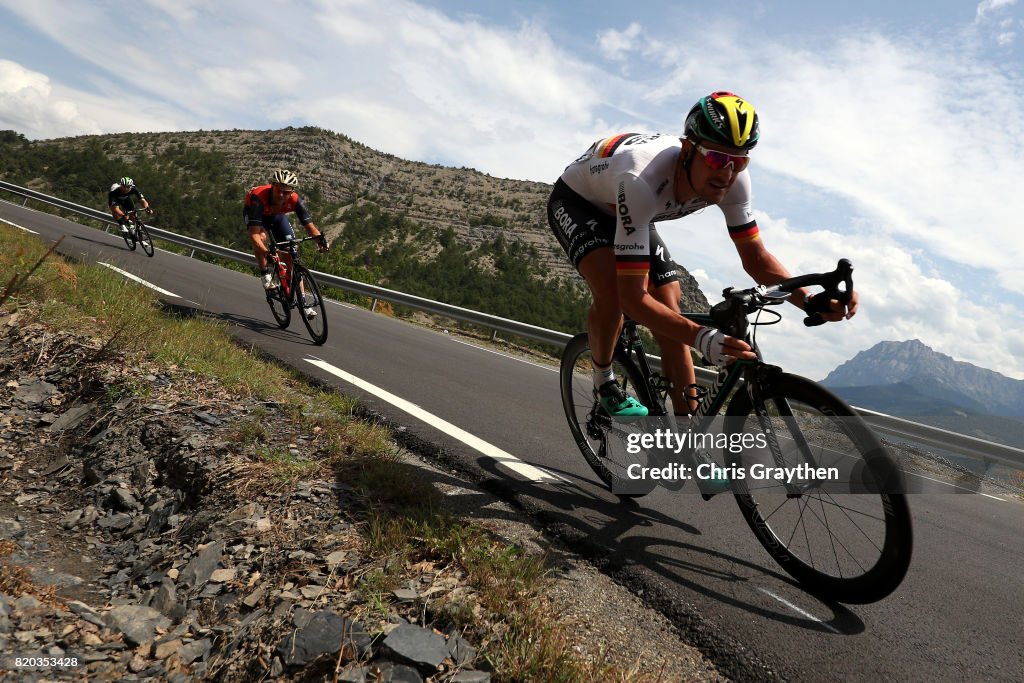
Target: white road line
x,y
19,227
501,457
139,280
505,355
802,612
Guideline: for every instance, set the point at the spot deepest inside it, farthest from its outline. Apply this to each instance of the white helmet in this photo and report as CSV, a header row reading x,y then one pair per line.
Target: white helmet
x,y
283,176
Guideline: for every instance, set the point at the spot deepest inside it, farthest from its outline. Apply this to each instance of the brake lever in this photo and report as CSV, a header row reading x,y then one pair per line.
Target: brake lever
x,y
843,274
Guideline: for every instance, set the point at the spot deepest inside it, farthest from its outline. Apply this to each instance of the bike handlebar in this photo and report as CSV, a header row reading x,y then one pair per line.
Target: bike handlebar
x,y
819,303
730,315
293,242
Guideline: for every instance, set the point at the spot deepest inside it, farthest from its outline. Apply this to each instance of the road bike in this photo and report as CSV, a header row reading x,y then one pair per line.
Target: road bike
x,y
137,233
844,535
295,288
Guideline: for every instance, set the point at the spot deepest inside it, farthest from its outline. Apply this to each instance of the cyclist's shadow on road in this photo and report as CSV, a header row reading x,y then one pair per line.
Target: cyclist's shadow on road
x,y
263,327
603,528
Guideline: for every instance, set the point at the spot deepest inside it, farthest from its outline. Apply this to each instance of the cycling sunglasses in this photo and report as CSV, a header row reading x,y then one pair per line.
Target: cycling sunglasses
x,y
717,160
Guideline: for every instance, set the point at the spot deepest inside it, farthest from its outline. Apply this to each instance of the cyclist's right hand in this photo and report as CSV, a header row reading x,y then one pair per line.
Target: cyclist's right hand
x,y
720,349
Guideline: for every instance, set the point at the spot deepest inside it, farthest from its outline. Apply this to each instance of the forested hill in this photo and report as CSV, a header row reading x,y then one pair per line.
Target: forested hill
x,y
456,235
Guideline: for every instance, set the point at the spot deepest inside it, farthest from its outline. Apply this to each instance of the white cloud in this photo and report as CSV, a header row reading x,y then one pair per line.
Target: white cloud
x,y
988,6
898,299
616,44
28,103
506,101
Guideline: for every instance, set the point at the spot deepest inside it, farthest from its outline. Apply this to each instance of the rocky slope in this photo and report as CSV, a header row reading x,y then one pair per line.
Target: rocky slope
x,y
134,544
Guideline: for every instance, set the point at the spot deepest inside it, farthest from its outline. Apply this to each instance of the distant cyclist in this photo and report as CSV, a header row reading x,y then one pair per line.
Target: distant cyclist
x,y
120,201
603,209
267,208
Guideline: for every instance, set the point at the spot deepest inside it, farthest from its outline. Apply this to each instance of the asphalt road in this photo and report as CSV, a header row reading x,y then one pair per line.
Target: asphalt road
x,y
956,616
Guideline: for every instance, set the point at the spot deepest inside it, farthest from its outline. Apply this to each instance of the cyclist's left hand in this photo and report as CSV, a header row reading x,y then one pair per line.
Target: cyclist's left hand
x,y
324,244
149,210
720,349
839,311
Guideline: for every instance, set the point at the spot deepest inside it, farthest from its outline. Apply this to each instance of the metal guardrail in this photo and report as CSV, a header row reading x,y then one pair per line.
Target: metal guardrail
x,y
886,424
360,288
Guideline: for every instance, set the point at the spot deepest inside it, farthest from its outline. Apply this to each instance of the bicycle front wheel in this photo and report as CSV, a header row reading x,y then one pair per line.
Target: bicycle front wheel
x,y
821,493
311,304
602,440
279,301
144,239
129,237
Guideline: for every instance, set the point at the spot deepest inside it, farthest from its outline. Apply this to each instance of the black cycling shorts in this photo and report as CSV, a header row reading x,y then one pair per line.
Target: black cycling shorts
x,y
581,227
124,202
277,224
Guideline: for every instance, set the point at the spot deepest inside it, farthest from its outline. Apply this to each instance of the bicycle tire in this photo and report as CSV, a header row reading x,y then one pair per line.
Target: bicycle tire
x,y
144,239
598,437
129,237
279,302
307,293
851,542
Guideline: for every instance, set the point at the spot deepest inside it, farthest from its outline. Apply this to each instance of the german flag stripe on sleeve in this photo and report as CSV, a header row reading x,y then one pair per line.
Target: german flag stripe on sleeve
x,y
632,265
744,233
608,147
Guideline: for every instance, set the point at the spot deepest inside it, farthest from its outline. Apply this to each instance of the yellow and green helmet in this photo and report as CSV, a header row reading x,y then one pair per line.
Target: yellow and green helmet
x,y
724,118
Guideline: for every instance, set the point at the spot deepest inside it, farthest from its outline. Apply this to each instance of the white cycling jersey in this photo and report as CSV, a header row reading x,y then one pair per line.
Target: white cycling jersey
x,y
631,176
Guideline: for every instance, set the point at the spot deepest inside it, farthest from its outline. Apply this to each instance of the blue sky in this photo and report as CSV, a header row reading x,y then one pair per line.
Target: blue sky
x,y
890,131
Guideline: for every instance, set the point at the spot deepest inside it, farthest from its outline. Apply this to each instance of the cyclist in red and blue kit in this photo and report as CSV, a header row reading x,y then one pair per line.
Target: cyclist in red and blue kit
x,y
267,208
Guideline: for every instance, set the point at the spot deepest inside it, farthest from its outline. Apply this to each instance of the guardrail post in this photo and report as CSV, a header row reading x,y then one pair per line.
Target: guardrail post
x,y
192,253
373,305
24,202
494,334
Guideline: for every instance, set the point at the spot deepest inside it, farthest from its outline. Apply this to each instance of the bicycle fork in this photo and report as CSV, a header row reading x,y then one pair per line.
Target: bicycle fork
x,y
784,414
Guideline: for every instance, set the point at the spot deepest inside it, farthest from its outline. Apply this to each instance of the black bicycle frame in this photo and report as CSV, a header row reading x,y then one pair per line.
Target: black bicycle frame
x,y
755,374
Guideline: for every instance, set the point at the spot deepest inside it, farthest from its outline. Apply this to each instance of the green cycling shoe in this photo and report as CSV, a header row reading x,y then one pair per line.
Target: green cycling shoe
x,y
618,403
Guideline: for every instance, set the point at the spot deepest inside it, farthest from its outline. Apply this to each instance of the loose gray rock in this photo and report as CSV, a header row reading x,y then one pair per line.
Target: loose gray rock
x,y
198,649
398,673
115,522
324,633
10,530
461,651
137,623
417,646
166,599
353,673
35,393
70,418
198,571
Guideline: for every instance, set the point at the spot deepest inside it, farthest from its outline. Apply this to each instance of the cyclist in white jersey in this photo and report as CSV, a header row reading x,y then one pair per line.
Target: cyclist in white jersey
x,y
603,209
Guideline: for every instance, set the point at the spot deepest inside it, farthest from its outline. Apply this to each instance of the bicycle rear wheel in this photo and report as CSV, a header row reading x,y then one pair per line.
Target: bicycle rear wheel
x,y
846,535
279,301
601,440
144,239
311,304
